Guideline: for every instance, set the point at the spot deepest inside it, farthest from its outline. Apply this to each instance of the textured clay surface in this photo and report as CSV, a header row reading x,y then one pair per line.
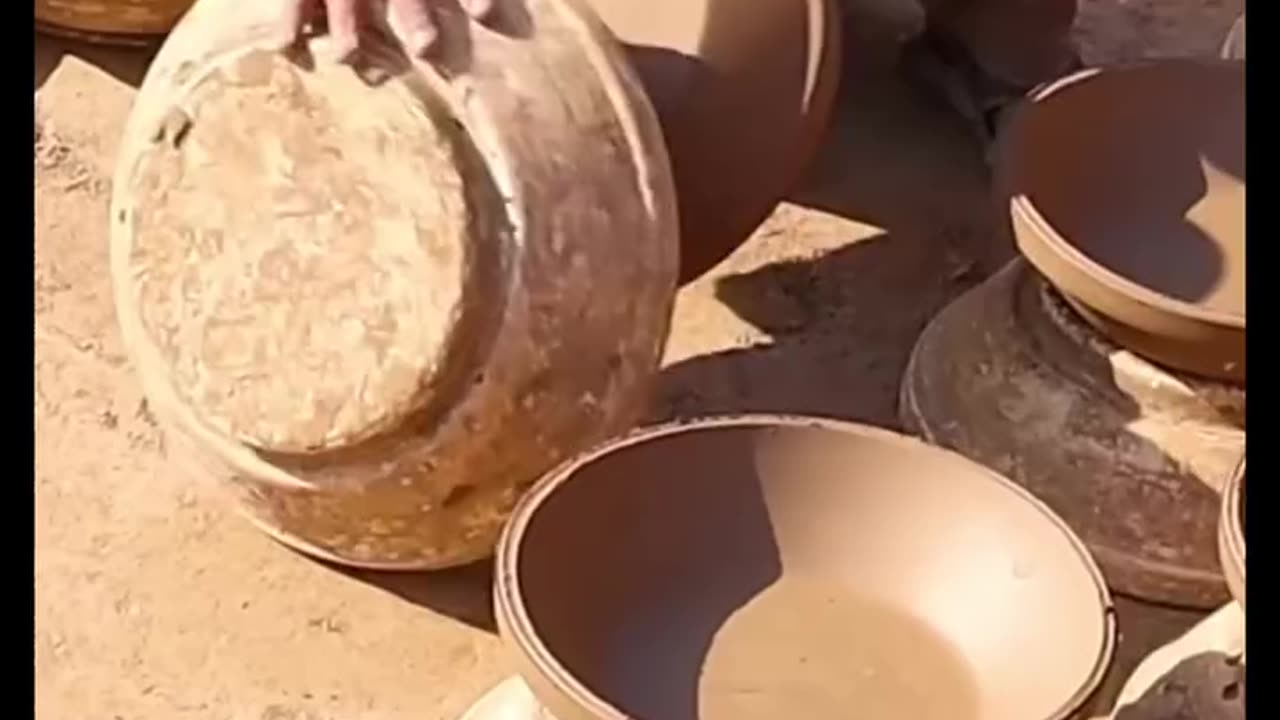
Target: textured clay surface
x,y
154,602
1134,458
260,336
377,367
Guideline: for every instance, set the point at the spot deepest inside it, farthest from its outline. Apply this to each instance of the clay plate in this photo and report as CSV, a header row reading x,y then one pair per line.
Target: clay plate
x,y
510,699
1126,188
1231,534
769,567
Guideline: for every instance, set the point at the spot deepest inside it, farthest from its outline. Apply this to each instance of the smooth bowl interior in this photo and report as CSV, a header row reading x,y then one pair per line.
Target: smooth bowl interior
x,y
1137,175
770,568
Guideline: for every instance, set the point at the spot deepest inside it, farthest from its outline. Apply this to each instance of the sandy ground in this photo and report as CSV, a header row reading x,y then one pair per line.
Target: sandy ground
x,y
153,602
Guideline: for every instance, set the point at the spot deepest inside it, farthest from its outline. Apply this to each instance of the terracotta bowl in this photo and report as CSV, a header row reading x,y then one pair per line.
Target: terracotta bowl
x,y
1126,188
374,302
744,90
122,22
770,567
1231,534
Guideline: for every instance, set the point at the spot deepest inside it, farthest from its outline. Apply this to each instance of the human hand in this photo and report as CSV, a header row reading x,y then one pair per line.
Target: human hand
x,y
412,21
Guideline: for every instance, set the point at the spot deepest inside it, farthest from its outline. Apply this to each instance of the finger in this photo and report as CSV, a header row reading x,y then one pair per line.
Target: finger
x,y
478,9
413,25
344,27
294,15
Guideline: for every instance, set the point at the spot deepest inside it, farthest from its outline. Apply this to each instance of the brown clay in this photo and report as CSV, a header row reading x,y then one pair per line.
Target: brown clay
x,y
769,567
127,22
1233,46
1132,456
1231,534
1126,188
378,303
744,89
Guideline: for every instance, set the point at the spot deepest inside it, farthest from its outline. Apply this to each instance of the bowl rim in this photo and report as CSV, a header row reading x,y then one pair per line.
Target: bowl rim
x,y
1231,546
1022,206
517,627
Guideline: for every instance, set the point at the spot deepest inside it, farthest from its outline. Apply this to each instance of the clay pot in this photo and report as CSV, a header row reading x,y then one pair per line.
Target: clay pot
x,y
126,22
1126,189
744,90
1231,534
380,303
770,567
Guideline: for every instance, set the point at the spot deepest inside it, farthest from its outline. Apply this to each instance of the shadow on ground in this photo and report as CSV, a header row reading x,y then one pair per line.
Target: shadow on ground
x,y
464,593
841,325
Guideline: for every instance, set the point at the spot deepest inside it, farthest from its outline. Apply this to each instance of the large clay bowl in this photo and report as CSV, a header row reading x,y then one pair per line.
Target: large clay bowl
x,y
767,567
128,22
379,302
1231,534
743,89
1126,188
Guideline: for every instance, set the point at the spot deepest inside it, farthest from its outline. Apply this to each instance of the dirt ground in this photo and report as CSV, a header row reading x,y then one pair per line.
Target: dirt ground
x,y
155,603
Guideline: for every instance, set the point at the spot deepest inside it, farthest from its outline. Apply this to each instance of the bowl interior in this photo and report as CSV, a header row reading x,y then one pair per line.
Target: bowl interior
x,y
1141,170
766,570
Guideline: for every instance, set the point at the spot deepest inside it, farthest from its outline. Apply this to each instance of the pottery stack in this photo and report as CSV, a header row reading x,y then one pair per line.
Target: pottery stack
x,y
1104,370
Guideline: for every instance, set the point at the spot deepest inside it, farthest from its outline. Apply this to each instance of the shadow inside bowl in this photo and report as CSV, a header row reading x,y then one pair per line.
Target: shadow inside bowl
x,y
1142,170
749,572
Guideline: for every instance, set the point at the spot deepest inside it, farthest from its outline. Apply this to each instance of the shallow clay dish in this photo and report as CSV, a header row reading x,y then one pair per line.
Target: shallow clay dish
x,y
1231,534
1126,188
770,567
743,89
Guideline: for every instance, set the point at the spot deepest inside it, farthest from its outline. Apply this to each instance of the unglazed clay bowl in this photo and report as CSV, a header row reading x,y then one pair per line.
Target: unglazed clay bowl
x,y
1125,187
1231,534
124,22
774,567
378,302
744,90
